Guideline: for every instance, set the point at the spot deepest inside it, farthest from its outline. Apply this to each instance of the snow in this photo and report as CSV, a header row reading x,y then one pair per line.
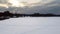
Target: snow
x,y
30,25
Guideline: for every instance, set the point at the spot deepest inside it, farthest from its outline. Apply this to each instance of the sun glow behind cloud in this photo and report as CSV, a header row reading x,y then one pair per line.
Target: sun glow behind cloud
x,y
14,3
17,3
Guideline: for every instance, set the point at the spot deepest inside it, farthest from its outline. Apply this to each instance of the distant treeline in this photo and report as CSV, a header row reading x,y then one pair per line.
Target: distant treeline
x,y
7,13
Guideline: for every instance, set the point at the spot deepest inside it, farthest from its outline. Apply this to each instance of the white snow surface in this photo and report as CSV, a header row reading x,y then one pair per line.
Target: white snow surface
x,y
30,25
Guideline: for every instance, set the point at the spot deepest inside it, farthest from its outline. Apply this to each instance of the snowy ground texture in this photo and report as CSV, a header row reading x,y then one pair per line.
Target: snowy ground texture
x,y
30,25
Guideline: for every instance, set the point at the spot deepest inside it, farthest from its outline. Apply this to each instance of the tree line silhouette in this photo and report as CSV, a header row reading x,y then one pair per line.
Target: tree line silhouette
x,y
7,15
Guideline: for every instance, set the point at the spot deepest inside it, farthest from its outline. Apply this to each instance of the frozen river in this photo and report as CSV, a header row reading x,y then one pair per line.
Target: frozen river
x,y
30,25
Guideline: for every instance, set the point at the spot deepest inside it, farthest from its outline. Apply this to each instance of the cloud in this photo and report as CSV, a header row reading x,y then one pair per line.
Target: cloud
x,y
29,3
3,1
44,6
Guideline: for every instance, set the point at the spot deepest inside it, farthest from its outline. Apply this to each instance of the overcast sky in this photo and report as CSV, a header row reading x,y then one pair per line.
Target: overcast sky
x,y
30,6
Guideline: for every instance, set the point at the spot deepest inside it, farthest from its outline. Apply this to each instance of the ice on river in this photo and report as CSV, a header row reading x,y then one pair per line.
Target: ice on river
x,y
30,25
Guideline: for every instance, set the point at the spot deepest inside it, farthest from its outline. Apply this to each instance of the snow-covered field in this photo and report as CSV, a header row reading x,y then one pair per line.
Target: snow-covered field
x,y
30,25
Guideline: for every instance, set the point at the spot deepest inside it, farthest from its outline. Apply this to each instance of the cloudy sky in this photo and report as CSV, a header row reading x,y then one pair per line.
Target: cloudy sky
x,y
30,6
